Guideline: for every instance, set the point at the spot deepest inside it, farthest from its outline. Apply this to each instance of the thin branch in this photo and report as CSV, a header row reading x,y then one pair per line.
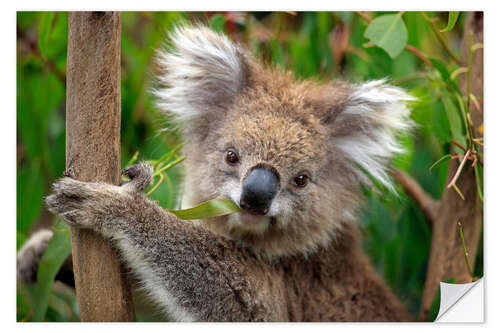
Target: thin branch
x,y
459,145
364,16
441,39
459,170
419,54
427,204
466,253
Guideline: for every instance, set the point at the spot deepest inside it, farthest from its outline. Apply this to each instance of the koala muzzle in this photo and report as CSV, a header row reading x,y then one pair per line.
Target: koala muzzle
x,y
259,188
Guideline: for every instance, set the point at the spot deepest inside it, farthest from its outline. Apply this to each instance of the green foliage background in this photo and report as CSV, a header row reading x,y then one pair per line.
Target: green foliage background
x,y
325,45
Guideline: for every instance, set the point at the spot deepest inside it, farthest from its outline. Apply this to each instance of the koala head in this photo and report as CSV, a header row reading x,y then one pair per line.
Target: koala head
x,y
291,153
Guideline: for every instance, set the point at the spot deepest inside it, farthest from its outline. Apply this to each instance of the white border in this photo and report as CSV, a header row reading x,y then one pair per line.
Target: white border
x,y
492,139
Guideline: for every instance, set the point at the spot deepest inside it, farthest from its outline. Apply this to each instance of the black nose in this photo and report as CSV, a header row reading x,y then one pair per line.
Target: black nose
x,y
259,189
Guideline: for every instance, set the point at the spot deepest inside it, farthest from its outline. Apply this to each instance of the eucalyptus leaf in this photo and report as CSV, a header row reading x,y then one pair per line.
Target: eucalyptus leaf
x,y
454,119
441,68
445,74
212,208
57,251
439,124
389,33
452,19
44,32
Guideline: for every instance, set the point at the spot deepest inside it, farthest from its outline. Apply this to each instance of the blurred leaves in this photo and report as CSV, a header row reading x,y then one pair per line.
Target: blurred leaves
x,y
57,251
30,190
217,22
44,32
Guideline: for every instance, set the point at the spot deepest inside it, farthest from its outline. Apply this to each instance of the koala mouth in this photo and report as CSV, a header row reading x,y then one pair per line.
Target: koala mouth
x,y
250,222
249,218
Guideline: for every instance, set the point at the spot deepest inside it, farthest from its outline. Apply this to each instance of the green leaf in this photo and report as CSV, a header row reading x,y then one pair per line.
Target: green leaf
x,y
452,19
57,251
211,208
441,68
217,22
445,73
44,28
443,159
29,196
454,118
389,33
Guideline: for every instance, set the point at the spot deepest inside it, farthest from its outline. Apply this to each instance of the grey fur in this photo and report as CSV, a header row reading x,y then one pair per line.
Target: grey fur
x,y
204,274
29,256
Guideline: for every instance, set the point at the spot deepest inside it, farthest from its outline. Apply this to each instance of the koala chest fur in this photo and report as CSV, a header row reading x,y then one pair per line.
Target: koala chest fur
x,y
292,154
334,284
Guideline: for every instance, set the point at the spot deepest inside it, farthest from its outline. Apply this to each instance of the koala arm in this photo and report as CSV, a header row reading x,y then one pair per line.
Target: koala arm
x,y
192,274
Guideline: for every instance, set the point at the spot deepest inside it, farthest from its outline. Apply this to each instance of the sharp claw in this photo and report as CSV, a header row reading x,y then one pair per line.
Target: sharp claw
x,y
70,172
126,170
140,176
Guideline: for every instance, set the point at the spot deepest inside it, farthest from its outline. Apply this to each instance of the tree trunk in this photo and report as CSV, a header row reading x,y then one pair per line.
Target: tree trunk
x,y
446,256
93,154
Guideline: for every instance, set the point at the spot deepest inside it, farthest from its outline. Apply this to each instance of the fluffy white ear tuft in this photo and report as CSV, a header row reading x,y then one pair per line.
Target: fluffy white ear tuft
x,y
367,128
203,71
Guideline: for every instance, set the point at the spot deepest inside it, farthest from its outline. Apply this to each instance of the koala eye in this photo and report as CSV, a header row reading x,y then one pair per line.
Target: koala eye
x,y
231,157
301,180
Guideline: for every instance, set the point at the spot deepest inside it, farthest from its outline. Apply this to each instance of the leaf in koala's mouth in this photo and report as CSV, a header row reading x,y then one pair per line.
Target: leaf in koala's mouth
x,y
212,208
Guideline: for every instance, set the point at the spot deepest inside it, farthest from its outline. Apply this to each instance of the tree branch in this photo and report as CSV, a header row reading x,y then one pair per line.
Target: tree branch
x,y
446,258
441,39
93,154
427,204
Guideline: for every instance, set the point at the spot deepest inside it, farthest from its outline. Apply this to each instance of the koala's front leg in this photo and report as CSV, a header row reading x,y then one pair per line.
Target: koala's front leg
x,y
191,273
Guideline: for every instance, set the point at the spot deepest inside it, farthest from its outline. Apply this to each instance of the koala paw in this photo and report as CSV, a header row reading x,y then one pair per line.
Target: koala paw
x,y
89,205
141,176
29,256
83,204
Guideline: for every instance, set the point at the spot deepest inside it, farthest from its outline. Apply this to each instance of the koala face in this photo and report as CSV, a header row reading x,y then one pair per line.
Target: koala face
x,y
278,161
291,153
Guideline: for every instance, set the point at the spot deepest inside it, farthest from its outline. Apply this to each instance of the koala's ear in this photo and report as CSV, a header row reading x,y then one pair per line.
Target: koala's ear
x,y
202,71
365,127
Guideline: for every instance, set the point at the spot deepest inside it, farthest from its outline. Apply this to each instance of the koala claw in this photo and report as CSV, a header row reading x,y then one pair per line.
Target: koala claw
x,y
80,204
140,174
70,172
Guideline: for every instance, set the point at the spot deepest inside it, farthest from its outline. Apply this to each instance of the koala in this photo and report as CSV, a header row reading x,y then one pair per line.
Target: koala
x,y
293,154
